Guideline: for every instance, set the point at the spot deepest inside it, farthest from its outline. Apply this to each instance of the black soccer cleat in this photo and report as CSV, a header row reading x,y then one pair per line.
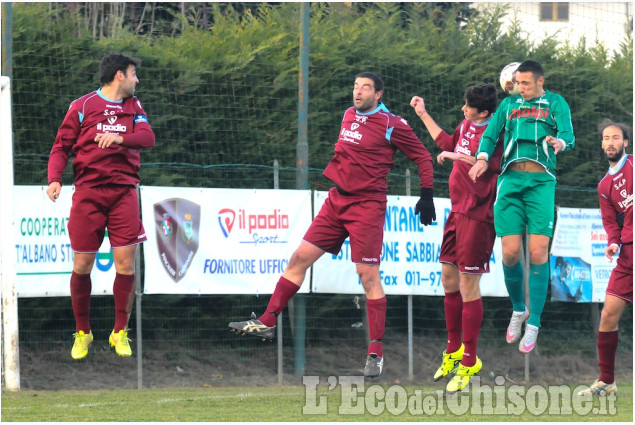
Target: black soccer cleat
x,y
374,366
254,327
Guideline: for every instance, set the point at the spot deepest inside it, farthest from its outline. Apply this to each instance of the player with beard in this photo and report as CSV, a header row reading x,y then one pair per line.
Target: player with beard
x,y
615,191
355,207
103,131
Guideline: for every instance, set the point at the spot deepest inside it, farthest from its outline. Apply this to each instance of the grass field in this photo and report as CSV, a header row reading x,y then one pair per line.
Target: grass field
x,y
284,403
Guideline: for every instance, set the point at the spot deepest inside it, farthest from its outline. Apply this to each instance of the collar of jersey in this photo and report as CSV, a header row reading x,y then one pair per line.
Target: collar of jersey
x,y
380,107
616,169
106,99
483,123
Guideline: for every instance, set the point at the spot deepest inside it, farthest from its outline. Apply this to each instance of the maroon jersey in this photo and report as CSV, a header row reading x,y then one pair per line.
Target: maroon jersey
x,y
93,166
473,199
616,196
365,151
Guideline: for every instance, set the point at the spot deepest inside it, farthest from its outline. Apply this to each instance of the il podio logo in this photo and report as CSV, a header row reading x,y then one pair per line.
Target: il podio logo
x,y
115,128
251,222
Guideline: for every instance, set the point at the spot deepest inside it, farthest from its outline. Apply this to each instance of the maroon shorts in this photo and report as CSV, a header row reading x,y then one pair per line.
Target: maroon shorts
x,y
621,280
467,243
342,216
97,208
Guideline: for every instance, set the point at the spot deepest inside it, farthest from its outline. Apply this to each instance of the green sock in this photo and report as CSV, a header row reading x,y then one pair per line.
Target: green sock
x,y
514,284
538,284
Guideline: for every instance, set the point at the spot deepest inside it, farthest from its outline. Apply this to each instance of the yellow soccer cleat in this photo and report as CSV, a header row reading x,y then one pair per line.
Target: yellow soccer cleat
x,y
121,342
449,363
462,377
81,344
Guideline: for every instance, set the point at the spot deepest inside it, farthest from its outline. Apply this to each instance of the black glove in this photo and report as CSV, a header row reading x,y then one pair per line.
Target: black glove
x,y
425,206
620,219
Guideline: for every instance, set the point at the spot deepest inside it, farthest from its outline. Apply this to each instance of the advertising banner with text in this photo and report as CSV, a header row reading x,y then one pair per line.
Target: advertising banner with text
x,y
44,259
221,241
579,270
410,255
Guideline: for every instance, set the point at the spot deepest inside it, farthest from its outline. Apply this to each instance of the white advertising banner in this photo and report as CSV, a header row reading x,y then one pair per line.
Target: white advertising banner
x,y
410,255
579,270
44,259
221,241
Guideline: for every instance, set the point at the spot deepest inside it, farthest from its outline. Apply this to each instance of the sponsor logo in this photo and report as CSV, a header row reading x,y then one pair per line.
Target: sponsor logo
x,y
250,222
177,228
534,112
369,260
598,249
354,126
351,136
628,200
114,106
140,118
472,268
117,128
361,118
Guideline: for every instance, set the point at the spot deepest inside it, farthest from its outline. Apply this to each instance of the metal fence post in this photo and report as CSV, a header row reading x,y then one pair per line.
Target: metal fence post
x,y
138,292
410,322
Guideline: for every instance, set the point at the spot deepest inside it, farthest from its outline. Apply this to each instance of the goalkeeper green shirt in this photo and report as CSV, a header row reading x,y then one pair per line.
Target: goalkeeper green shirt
x,y
526,125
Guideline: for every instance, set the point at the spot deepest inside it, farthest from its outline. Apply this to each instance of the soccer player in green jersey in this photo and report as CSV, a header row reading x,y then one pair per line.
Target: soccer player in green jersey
x,y
537,125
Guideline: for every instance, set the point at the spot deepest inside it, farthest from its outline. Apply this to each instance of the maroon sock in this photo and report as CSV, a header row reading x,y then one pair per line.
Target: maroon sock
x,y
81,286
607,346
376,310
123,290
285,289
472,319
453,305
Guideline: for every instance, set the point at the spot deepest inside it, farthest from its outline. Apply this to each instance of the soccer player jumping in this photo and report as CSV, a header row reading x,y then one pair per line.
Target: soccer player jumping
x,y
469,235
103,131
615,191
537,126
355,207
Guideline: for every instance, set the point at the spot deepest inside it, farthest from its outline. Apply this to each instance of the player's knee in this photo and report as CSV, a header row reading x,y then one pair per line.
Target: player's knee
x,y
610,317
510,258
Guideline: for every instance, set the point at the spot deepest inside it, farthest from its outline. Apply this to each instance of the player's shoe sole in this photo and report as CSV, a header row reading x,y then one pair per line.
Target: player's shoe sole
x,y
255,328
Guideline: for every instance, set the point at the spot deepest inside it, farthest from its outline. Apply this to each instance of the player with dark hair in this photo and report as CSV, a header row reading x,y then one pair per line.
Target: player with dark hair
x,y
355,207
468,238
537,125
615,191
103,131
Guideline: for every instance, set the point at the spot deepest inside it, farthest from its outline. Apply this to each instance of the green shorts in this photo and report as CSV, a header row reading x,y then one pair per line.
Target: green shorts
x,y
524,200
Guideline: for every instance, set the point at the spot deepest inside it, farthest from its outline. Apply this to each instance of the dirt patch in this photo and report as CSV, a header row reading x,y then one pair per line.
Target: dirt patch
x,y
102,369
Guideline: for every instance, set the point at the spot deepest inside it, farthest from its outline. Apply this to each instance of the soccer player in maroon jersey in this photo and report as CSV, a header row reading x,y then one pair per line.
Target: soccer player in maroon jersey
x,y
469,235
103,131
355,207
615,191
